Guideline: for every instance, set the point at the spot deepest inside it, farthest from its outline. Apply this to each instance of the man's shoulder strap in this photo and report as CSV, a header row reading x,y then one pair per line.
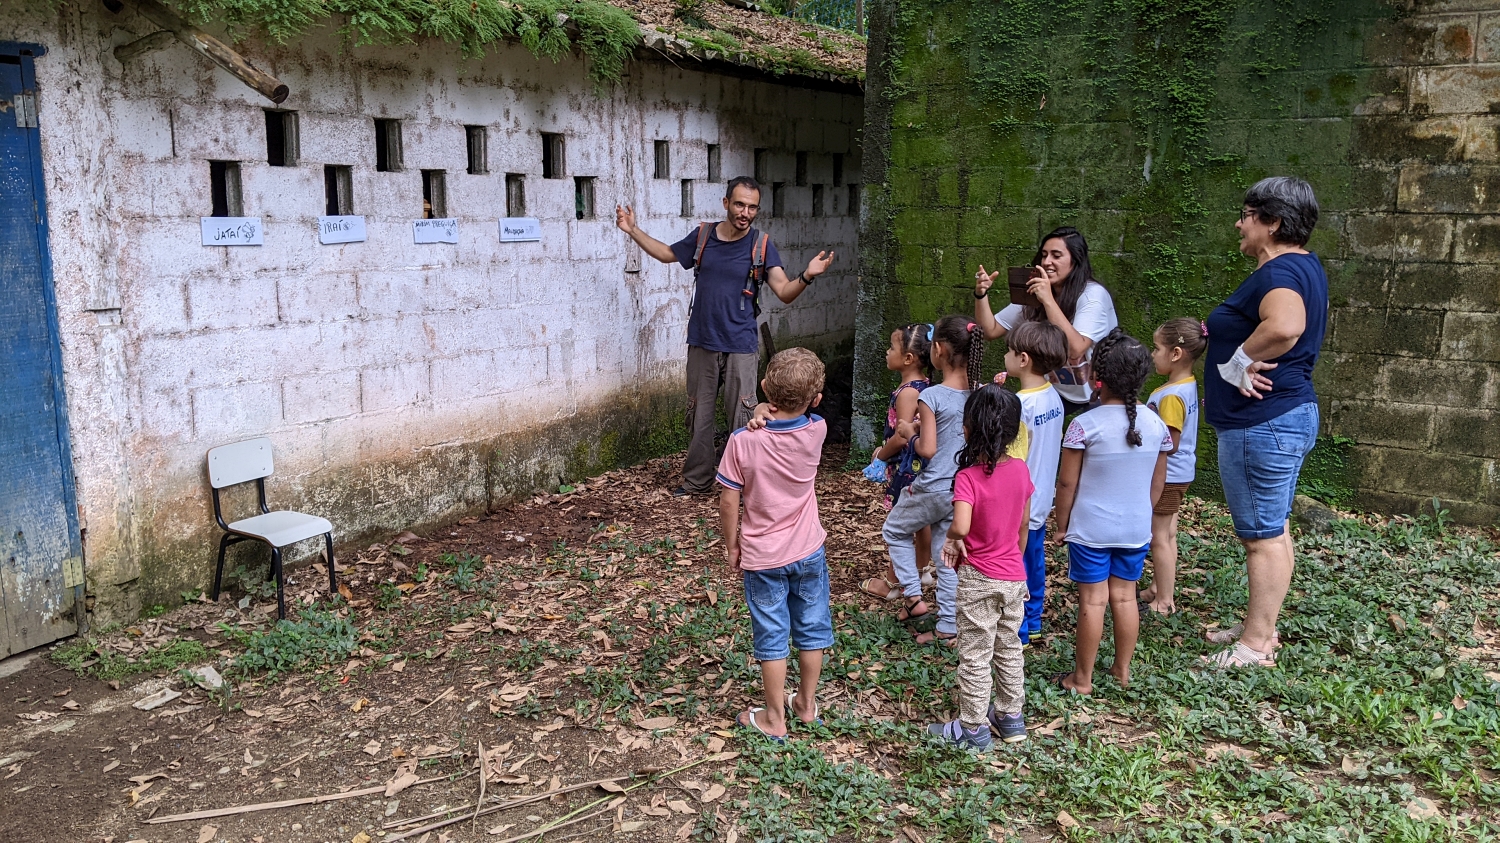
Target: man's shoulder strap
x,y
758,252
703,231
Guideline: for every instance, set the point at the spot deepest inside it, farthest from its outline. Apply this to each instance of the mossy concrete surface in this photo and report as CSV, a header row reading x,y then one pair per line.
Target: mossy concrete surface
x,y
1142,123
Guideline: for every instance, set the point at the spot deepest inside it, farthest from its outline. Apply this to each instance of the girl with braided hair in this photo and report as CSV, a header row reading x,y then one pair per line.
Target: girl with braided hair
x,y
1114,465
938,432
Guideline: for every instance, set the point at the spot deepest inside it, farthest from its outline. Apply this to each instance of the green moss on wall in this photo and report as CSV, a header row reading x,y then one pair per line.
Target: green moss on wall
x,y
1141,122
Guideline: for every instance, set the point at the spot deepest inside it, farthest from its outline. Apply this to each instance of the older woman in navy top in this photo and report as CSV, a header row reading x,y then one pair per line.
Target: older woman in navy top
x,y
1262,344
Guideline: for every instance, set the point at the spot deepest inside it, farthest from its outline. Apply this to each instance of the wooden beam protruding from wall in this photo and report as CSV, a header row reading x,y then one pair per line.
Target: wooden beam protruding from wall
x,y
215,50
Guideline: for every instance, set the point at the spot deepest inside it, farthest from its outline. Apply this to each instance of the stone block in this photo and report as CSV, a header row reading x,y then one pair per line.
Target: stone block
x,y
1397,138
1472,89
1407,333
1472,336
1409,237
473,375
243,410
1445,286
928,228
313,398
391,387
1449,189
1477,240
1423,40
218,302
1455,384
1358,282
1352,376
1465,431
1371,422
1416,472
1372,188
1487,41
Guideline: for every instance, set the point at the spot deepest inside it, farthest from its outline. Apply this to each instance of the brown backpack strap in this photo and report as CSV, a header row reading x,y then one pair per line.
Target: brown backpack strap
x,y
703,228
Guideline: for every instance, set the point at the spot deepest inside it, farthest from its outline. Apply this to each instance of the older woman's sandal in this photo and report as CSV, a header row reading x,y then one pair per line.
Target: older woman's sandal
x,y
1232,634
891,590
1240,655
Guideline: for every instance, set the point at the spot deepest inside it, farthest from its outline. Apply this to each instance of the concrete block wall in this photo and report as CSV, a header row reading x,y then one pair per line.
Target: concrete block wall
x,y
401,384
1413,370
1385,108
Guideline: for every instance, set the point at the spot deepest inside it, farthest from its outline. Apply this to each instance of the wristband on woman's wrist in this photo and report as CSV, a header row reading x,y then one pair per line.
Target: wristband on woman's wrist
x,y
978,295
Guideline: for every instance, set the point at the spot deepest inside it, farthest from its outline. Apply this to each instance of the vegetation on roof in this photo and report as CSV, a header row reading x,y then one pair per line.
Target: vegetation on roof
x,y
605,34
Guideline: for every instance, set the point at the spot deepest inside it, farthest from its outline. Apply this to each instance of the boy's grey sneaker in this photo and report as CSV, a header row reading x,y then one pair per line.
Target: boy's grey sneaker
x,y
954,734
1010,727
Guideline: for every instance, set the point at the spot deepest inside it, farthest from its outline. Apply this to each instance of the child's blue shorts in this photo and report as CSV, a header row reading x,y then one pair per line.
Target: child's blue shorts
x,y
1097,564
790,602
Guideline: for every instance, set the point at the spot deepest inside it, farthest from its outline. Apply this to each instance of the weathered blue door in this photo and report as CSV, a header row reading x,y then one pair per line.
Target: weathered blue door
x,y
38,523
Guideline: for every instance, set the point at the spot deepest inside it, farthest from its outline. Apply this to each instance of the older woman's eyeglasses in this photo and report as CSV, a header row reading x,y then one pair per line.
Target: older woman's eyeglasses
x,y
1246,213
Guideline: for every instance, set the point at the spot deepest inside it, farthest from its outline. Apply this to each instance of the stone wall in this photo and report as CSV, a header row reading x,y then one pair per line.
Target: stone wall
x,y
991,123
400,384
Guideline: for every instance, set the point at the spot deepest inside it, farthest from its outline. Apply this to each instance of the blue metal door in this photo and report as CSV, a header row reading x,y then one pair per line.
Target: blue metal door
x,y
40,565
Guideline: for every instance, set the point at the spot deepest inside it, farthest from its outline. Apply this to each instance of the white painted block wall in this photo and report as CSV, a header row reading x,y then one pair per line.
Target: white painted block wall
x,y
376,366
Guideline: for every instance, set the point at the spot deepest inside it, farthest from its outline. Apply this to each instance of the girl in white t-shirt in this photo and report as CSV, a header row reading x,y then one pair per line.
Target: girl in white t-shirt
x,y
1063,282
1114,463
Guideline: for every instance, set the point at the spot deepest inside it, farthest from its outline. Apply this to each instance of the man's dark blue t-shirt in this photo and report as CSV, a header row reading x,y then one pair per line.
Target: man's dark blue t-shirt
x,y
723,317
1232,322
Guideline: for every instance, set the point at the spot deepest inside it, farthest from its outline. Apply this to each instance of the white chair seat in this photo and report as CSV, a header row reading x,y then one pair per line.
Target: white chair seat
x,y
280,529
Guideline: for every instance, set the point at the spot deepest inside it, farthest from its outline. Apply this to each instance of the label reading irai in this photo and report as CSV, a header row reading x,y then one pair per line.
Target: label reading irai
x,y
520,229
435,231
232,231
343,229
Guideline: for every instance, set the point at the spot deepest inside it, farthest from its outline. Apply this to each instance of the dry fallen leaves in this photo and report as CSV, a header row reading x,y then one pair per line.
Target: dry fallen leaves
x,y
207,833
1066,822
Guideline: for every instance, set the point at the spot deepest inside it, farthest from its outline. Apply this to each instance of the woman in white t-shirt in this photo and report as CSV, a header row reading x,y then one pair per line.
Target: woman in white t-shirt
x,y
1071,299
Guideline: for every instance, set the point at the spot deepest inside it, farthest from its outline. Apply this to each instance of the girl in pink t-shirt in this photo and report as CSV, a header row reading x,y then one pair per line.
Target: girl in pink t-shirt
x,y
986,543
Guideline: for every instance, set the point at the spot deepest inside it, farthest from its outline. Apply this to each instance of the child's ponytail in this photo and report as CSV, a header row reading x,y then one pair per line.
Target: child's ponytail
x,y
1122,364
976,357
963,339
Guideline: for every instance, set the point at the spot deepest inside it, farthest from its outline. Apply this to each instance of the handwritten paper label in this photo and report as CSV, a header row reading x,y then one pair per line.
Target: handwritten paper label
x,y
520,229
341,230
435,231
232,231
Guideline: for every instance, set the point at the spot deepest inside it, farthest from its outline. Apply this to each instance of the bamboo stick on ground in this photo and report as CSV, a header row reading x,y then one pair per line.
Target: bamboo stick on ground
x,y
287,803
503,805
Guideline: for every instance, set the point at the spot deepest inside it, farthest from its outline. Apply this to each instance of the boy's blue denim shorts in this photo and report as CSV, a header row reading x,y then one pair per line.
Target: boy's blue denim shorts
x,y
1258,467
790,602
1097,564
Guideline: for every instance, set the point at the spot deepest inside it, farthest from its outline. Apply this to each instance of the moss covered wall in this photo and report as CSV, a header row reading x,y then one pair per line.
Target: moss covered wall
x,y
1141,122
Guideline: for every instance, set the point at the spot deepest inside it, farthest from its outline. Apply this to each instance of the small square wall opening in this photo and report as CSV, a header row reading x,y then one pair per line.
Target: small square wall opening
x,y
338,190
802,169
778,199
515,195
817,192
715,171
281,138
763,166
554,156
478,140
853,209
224,189
583,197
663,169
387,145
434,195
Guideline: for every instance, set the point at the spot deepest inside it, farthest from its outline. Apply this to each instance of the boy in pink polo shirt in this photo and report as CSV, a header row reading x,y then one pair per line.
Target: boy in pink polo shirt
x,y
779,545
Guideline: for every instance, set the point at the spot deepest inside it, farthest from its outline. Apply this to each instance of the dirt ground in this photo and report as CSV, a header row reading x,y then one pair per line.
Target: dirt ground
x,y
79,762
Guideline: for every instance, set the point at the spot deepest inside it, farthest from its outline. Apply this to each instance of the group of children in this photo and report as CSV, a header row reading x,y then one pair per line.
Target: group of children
x,y
972,472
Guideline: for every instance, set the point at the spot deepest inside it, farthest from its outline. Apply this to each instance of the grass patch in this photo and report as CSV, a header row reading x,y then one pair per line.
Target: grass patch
x,y
319,637
87,657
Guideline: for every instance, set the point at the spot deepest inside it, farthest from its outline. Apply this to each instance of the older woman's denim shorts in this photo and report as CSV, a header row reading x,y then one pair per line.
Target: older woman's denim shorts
x,y
1258,466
